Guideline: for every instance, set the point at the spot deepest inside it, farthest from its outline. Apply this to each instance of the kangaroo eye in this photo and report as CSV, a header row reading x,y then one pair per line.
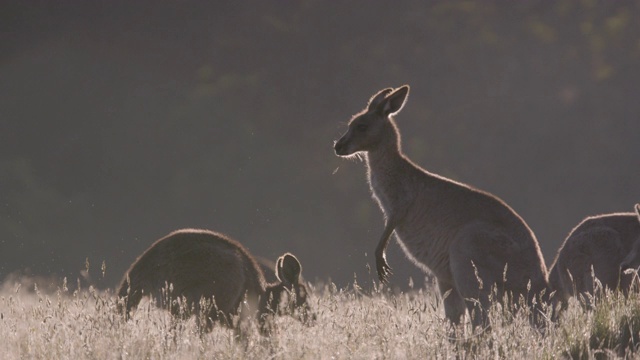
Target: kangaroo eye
x,y
361,127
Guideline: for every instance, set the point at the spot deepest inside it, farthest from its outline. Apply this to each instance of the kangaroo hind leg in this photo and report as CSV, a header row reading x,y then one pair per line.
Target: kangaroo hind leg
x,y
478,259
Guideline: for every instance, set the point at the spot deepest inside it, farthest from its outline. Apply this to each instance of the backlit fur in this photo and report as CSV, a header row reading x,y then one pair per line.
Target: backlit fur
x,y
189,268
471,240
600,247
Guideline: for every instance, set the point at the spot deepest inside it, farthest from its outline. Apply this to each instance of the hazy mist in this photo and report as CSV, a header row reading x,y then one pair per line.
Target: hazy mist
x,y
121,121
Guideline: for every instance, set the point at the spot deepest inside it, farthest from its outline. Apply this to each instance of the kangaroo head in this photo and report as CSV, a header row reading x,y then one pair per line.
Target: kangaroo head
x,y
289,294
373,126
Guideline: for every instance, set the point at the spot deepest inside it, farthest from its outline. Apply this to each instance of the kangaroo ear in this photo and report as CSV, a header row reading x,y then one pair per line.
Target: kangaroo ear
x,y
288,269
278,267
638,211
394,102
377,98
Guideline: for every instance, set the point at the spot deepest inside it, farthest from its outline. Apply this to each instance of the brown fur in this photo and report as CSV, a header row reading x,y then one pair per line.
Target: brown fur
x,y
461,234
195,265
600,246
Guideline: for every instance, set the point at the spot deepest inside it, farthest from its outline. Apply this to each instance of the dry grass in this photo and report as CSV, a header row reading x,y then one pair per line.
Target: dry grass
x,y
350,325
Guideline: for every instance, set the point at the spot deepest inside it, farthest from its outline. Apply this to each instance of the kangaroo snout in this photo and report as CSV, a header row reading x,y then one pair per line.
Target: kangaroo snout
x,y
630,263
624,267
340,147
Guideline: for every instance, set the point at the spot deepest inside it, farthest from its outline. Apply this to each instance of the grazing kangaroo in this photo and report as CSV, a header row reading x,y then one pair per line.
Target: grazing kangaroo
x,y
469,239
200,266
603,247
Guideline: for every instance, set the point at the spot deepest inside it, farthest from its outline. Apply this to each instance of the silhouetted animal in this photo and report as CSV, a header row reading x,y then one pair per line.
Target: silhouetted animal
x,y
469,239
194,271
600,246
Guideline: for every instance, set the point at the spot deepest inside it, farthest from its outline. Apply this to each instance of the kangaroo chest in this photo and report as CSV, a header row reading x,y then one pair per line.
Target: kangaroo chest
x,y
419,234
389,199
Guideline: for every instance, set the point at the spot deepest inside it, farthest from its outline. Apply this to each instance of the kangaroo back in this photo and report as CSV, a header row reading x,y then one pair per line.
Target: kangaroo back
x,y
594,252
194,265
189,269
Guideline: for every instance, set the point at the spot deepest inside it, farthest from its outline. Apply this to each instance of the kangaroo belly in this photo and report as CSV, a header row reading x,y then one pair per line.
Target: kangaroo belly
x,y
427,251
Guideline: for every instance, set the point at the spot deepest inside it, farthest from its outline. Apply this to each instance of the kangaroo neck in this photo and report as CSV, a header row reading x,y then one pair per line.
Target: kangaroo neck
x,y
390,173
387,159
387,153
386,167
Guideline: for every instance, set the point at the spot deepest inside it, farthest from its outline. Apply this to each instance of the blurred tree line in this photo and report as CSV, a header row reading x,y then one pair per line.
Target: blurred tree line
x,y
121,121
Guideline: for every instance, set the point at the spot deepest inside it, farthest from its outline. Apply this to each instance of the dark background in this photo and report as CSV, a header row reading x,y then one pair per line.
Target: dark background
x,y
121,121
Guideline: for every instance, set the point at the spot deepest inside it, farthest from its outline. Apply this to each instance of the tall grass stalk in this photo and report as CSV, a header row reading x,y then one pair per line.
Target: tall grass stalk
x,y
84,324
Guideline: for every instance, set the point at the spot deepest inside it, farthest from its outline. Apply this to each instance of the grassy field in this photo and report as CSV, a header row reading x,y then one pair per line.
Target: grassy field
x,y
83,324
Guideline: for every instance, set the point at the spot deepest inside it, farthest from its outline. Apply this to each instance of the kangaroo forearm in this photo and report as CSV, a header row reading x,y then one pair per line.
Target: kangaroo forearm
x,y
382,267
384,239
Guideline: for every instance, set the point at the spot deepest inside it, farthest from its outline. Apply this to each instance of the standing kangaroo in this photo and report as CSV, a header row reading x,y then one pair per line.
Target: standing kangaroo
x,y
469,239
199,266
600,247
